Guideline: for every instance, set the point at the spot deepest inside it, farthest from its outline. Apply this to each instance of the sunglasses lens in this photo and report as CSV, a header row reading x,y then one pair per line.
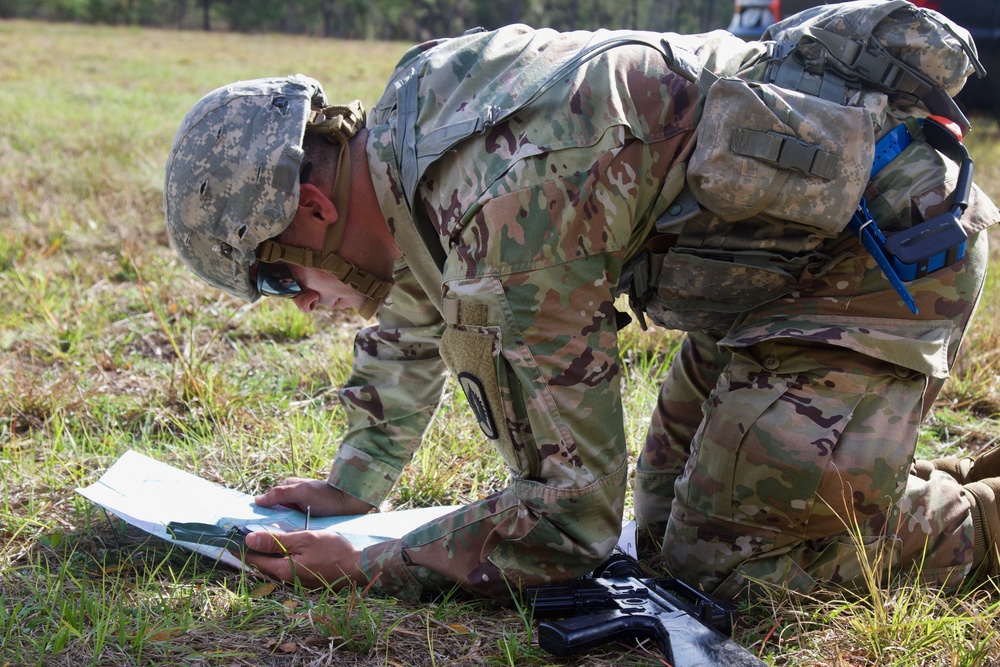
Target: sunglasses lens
x,y
276,280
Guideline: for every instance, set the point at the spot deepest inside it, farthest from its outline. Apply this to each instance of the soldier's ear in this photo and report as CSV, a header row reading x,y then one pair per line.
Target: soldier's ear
x,y
317,205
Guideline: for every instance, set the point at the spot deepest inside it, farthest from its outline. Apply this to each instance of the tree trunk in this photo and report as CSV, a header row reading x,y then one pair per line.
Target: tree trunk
x,y
182,7
707,14
515,11
326,7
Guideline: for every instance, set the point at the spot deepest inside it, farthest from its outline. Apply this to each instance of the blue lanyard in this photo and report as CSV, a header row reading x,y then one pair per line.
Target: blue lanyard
x,y
931,245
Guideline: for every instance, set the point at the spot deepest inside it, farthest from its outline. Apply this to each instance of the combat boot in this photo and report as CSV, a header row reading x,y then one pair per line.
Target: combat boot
x,y
985,527
964,470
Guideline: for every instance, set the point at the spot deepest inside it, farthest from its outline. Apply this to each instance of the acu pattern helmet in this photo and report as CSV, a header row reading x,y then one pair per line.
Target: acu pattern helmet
x,y
232,183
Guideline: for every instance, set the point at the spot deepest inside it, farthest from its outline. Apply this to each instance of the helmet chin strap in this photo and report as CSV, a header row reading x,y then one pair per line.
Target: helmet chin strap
x,y
339,124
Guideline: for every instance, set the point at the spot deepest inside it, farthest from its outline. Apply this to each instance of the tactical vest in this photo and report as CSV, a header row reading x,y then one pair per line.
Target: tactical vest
x,y
786,146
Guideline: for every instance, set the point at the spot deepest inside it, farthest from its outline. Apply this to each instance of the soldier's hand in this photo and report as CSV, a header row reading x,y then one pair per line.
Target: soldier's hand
x,y
314,558
321,498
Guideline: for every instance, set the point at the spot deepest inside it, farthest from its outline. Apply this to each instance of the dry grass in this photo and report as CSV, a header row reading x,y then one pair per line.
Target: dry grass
x,y
108,344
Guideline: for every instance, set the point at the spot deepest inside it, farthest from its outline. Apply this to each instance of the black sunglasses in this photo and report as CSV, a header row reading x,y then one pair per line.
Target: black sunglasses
x,y
276,280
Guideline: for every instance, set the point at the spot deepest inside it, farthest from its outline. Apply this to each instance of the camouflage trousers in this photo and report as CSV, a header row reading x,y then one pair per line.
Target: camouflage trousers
x,y
787,462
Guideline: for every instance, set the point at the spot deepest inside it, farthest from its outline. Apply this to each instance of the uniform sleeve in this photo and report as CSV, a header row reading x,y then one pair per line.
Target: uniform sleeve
x,y
391,395
549,337
531,336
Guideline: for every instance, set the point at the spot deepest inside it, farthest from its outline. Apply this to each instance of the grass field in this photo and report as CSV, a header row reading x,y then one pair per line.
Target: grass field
x,y
108,344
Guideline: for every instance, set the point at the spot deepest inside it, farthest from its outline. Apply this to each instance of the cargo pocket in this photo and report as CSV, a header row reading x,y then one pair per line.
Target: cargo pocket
x,y
474,355
763,149
698,290
779,445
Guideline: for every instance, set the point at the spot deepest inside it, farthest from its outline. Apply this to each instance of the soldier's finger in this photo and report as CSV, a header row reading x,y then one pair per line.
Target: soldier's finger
x,y
268,543
278,568
287,493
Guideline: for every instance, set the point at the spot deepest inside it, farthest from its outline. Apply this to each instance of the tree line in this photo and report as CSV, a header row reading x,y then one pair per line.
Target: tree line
x,y
407,20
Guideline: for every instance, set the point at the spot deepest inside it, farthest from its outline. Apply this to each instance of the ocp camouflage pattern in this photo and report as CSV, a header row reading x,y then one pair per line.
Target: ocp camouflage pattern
x,y
799,413
808,433
540,215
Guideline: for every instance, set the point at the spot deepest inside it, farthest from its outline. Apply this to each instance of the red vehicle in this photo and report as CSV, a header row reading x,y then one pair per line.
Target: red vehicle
x,y
980,17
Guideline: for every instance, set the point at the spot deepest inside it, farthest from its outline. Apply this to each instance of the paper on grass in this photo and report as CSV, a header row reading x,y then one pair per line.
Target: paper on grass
x,y
149,494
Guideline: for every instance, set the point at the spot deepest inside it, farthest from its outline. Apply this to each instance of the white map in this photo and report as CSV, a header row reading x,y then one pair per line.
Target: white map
x,y
149,494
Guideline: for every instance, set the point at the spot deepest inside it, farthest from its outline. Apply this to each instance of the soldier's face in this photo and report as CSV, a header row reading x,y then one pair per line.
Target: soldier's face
x,y
319,289
322,290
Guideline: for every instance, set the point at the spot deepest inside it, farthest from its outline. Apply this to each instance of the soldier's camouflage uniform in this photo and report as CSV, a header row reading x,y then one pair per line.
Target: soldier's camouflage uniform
x,y
771,431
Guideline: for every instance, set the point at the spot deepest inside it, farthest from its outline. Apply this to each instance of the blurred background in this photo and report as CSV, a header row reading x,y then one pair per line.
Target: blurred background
x,y
404,20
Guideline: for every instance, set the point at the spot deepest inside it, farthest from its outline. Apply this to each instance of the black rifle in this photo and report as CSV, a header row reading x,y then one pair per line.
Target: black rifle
x,y
691,628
